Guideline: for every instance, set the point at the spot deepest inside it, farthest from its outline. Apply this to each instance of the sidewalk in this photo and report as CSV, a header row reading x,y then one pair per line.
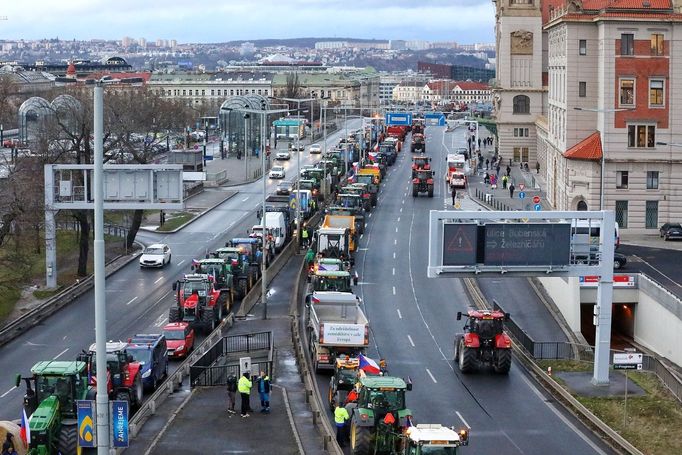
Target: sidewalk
x,y
198,422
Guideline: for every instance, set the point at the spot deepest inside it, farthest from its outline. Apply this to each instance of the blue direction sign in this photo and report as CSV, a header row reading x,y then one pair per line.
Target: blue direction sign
x,y
399,118
522,195
537,207
208,157
119,417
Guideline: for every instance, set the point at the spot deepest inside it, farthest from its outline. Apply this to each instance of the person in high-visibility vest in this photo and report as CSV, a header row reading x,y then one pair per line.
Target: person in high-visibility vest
x,y
244,387
304,236
340,417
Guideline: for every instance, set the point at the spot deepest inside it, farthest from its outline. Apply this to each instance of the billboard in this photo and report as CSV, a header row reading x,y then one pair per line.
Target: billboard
x,y
86,423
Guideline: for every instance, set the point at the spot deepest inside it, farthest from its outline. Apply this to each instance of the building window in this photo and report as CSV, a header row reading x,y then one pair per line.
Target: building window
x,y
642,136
521,104
212,92
520,132
656,93
622,214
651,215
622,180
203,92
582,47
184,92
582,89
652,180
231,92
657,44
627,44
627,92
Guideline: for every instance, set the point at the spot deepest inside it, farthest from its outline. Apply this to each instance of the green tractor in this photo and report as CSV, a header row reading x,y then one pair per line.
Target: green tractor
x,y
242,276
50,401
378,421
221,271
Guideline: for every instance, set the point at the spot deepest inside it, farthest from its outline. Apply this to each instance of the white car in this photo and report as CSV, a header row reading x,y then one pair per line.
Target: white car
x,y
156,255
283,155
315,148
277,172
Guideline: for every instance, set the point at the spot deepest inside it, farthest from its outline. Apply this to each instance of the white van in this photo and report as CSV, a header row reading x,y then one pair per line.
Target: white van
x,y
275,225
585,238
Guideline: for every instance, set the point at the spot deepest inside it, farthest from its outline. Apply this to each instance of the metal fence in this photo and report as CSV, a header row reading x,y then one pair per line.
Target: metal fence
x,y
218,362
113,230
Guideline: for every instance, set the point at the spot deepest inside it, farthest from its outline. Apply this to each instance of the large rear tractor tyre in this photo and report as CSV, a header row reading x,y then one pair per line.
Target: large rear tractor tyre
x,y
415,193
330,399
430,192
174,314
466,359
138,391
123,395
503,361
68,439
208,320
360,440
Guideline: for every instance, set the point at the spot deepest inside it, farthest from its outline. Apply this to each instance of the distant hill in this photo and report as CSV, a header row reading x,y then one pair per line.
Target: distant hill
x,y
298,42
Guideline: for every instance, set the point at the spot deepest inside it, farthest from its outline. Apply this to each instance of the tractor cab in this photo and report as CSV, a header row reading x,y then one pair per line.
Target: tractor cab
x,y
434,439
343,379
219,269
339,281
243,277
420,162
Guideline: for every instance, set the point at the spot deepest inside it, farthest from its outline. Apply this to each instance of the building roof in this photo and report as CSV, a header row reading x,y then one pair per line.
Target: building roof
x,y
589,149
469,85
591,9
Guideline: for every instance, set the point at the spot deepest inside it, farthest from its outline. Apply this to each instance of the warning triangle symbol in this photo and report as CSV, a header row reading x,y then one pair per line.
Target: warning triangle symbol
x,y
460,243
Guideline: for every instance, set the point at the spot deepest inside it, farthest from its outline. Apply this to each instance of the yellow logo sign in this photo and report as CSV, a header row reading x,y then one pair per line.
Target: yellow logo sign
x,y
458,205
86,429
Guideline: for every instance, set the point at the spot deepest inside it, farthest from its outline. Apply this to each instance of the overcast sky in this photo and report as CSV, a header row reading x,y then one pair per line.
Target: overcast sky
x,y
464,21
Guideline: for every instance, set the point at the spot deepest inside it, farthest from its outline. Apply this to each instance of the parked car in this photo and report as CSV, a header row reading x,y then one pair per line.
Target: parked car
x,y
277,172
671,231
285,187
283,155
179,339
619,261
156,255
315,148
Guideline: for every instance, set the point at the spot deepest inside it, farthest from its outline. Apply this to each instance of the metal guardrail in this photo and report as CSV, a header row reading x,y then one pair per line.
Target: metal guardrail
x,y
113,230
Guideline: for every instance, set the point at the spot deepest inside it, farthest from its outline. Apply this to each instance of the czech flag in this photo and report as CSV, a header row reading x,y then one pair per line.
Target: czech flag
x,y
25,432
368,365
195,262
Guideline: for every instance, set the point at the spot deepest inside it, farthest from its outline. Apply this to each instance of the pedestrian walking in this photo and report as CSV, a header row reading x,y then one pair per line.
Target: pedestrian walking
x,y
504,182
537,167
486,178
340,418
231,393
487,164
479,142
304,237
497,170
309,257
244,386
264,392
508,171
454,194
511,191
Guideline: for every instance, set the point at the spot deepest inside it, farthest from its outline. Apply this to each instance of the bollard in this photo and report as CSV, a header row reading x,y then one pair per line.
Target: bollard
x,y
308,394
549,371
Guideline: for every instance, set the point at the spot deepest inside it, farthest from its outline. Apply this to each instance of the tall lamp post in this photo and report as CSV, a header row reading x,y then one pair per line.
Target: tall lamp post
x,y
298,102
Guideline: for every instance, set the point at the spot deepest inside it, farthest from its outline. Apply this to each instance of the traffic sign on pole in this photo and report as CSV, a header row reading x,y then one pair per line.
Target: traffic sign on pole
x,y
522,186
536,199
537,207
522,195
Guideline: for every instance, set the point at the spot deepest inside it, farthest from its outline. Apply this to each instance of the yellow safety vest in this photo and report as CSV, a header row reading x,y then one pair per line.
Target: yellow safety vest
x,y
244,385
340,415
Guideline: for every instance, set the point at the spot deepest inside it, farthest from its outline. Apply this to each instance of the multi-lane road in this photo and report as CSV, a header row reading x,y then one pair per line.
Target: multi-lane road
x,y
413,323
137,300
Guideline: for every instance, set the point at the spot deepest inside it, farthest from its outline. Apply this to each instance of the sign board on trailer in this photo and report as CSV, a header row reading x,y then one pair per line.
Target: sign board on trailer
x,y
343,334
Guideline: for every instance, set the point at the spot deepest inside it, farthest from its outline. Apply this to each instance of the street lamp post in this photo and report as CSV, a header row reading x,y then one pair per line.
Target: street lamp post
x,y
246,153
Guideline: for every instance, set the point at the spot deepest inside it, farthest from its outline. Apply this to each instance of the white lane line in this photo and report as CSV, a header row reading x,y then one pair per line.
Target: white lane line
x,y
361,235
132,300
410,338
395,241
400,315
246,198
162,297
462,419
393,290
432,378
401,210
60,354
398,219
230,225
158,279
394,255
396,228
180,263
370,215
393,270
7,393
161,322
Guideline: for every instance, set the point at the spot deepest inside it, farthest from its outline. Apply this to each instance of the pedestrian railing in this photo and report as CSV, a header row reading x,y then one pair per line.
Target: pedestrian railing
x,y
113,230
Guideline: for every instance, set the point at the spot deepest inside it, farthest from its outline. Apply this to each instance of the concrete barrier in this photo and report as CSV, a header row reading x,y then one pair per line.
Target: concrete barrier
x,y
59,301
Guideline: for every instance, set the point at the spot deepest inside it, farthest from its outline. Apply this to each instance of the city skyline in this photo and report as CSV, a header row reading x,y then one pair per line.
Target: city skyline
x,y
430,20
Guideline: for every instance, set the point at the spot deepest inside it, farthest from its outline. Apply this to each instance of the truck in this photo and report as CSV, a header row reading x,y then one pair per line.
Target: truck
x,y
275,225
344,222
334,243
397,131
336,325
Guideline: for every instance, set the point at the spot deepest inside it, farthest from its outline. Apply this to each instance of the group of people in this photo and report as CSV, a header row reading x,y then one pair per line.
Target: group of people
x,y
8,445
244,386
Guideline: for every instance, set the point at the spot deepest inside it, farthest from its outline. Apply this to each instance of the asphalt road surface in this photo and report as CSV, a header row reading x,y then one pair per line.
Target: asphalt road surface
x,y
137,300
662,265
413,323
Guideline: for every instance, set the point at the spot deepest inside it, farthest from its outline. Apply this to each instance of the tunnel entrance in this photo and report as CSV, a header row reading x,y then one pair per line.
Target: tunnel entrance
x,y
622,324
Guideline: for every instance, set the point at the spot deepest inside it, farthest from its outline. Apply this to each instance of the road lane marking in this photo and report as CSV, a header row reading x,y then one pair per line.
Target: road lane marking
x,y
400,315
401,210
403,201
246,198
462,419
158,279
161,322
398,219
361,235
410,338
394,255
395,241
162,297
7,393
60,354
132,300
432,378
370,215
180,263
396,229
393,290
393,270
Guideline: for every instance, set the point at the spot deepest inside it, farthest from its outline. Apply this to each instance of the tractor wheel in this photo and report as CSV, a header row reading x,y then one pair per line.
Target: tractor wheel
x,y
123,395
330,398
137,391
467,358
431,192
360,440
68,439
207,320
219,314
230,298
415,193
174,314
503,361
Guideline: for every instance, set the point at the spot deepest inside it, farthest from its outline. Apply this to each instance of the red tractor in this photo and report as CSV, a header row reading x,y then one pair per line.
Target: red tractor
x,y
198,302
124,380
418,143
483,342
420,162
422,182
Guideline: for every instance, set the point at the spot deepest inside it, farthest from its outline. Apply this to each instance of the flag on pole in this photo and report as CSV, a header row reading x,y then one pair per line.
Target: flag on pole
x,y
368,365
25,432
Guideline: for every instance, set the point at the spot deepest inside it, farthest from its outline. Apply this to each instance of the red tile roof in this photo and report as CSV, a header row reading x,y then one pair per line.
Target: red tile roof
x,y
589,149
468,85
656,9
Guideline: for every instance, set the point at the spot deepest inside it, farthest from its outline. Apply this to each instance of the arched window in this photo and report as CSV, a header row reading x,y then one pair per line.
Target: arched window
x,y
521,104
582,206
